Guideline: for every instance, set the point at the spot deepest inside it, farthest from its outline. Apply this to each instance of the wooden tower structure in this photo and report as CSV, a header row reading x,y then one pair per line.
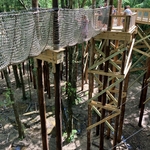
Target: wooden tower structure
x,y
110,64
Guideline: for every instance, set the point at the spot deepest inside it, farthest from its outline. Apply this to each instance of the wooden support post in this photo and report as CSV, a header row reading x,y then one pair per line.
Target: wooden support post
x,y
82,85
111,82
119,101
58,111
42,107
23,68
48,82
123,108
2,76
30,70
99,99
107,52
127,23
46,78
9,69
144,92
66,51
90,94
106,66
143,86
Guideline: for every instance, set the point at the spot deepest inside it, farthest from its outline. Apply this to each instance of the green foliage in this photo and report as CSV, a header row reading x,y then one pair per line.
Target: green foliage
x,y
72,92
78,100
45,3
15,5
72,137
7,102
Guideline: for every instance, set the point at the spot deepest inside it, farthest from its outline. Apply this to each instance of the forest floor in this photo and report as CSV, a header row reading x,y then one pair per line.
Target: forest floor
x,y
133,137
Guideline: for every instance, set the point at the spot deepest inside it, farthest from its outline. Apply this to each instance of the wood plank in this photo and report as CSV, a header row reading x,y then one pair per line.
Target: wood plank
x,y
141,52
107,123
52,56
112,35
129,56
100,72
108,88
104,120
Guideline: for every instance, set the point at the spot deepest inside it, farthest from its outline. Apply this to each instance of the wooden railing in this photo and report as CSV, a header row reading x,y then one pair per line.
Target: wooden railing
x,y
123,22
143,15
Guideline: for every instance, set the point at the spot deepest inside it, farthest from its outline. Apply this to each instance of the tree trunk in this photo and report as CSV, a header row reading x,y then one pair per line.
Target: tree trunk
x,y
18,83
20,127
22,83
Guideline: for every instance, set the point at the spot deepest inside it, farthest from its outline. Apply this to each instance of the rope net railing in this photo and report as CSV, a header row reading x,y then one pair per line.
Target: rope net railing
x,y
27,34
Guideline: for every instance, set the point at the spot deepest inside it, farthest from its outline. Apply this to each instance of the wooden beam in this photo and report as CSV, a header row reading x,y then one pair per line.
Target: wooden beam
x,y
112,74
53,56
104,120
108,58
112,35
141,52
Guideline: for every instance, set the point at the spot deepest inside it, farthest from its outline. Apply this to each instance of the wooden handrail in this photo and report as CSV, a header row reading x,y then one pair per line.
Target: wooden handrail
x,y
129,21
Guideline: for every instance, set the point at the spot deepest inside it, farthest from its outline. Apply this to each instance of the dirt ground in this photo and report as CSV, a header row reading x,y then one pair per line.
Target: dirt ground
x,y
133,138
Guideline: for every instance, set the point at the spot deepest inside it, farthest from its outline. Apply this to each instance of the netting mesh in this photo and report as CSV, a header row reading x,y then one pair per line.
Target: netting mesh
x,y
27,34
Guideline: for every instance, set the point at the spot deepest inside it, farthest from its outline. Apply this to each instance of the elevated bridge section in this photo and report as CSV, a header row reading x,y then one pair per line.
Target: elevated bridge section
x,y
143,15
27,34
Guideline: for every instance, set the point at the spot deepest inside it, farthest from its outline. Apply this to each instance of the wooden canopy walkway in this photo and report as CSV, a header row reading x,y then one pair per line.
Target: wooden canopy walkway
x,y
143,15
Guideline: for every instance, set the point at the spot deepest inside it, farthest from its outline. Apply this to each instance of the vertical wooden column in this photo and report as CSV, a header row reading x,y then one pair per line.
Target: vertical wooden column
x,y
90,94
41,99
42,106
143,86
123,108
119,102
111,82
58,112
66,60
2,76
119,12
105,83
144,92
107,52
82,85
99,99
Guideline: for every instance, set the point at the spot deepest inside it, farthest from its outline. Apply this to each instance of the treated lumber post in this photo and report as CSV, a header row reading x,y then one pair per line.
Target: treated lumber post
x,y
48,82
99,99
42,107
107,52
119,101
143,86
23,68
30,70
2,76
41,97
66,59
127,23
111,82
90,94
105,83
58,111
119,12
144,92
82,85
123,108
45,72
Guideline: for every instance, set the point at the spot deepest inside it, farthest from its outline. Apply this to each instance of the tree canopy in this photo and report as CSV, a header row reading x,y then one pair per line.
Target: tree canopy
x,y
14,5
